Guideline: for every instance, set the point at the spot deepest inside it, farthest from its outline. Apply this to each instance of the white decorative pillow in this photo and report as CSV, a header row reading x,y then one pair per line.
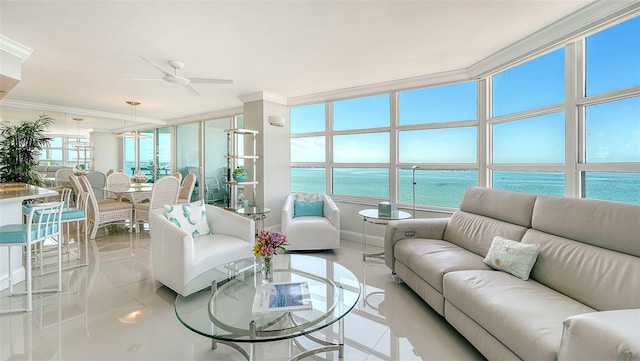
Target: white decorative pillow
x,y
308,197
191,217
511,256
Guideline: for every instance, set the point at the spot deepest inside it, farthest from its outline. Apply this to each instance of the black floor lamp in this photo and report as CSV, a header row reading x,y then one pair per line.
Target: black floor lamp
x,y
413,171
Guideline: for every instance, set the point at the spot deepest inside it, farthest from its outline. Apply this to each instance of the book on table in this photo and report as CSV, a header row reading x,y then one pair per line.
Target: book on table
x,y
280,297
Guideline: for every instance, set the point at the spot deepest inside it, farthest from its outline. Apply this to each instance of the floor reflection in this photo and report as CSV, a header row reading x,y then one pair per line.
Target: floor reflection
x,y
112,309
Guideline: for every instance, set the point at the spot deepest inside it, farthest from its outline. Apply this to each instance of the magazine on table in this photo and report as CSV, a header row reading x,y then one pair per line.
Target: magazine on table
x,y
278,297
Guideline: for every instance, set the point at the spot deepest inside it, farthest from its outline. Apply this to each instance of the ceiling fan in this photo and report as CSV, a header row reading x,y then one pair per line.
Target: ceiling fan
x,y
175,78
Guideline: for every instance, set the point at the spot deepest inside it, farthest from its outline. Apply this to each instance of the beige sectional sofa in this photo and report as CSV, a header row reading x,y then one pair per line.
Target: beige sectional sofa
x,y
582,298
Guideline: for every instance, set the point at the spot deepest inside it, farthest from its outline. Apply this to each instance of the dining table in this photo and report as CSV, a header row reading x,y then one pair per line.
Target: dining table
x,y
135,192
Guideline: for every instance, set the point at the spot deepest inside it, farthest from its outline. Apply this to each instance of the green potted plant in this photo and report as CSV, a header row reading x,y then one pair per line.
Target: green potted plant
x,y
20,149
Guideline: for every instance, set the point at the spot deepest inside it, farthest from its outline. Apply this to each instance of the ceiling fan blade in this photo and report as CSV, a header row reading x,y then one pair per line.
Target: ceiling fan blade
x,y
210,81
142,78
192,89
156,65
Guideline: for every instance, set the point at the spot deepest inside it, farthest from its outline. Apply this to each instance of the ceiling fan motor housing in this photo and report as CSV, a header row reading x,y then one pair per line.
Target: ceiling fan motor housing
x,y
176,79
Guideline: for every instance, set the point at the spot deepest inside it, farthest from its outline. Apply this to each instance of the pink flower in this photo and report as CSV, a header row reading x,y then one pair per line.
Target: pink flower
x,y
269,243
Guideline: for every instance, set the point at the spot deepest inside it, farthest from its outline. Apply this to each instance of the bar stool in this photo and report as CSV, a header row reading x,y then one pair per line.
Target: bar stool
x,y
77,215
43,222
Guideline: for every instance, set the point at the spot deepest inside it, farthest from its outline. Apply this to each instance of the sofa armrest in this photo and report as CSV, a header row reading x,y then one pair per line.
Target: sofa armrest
x,y
429,228
286,214
169,237
222,221
331,211
606,335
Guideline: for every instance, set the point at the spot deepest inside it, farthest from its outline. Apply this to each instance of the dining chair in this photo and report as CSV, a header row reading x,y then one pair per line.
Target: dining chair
x,y
177,175
79,188
98,180
101,214
43,222
186,189
164,192
62,177
117,180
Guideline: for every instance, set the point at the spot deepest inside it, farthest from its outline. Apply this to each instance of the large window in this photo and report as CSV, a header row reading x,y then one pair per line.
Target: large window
x,y
71,152
564,122
613,131
530,140
536,83
613,58
360,156
440,104
361,148
447,145
361,113
308,148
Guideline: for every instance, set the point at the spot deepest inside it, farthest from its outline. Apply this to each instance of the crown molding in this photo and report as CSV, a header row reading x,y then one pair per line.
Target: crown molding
x,y
14,48
78,111
385,87
206,116
561,31
263,95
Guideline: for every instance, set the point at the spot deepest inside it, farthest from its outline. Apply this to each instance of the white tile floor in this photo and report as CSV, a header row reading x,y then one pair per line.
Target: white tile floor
x,y
113,310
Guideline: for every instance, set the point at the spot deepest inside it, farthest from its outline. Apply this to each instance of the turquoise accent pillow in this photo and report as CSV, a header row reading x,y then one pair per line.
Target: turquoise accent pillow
x,y
190,217
512,257
308,209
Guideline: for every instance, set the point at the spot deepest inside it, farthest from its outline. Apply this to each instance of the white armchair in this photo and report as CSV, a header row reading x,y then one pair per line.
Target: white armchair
x,y
177,257
311,232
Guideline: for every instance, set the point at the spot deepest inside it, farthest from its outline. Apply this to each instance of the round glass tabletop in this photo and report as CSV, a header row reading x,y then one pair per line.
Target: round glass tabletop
x,y
251,211
219,303
373,214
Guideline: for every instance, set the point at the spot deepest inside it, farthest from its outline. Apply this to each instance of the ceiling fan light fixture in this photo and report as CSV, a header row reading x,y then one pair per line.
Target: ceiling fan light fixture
x,y
127,134
176,79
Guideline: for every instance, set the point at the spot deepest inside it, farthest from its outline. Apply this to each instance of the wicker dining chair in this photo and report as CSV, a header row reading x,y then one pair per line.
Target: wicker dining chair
x,y
165,191
105,213
186,189
177,175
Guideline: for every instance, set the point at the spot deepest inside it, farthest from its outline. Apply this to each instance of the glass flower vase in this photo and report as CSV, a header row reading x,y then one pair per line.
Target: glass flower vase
x,y
266,269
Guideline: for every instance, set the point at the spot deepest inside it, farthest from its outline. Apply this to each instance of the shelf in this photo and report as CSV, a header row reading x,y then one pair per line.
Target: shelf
x,y
241,156
241,131
233,158
250,183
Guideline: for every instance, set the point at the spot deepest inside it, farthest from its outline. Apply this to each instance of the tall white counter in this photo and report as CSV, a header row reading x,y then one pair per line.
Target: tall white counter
x,y
11,197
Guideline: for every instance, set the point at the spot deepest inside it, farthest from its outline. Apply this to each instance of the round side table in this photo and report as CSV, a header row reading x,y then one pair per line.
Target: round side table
x,y
372,216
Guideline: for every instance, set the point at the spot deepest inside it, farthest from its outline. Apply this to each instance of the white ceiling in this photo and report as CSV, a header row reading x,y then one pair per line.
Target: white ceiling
x,y
83,51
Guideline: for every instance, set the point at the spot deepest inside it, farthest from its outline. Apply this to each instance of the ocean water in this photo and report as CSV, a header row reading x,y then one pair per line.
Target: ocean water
x,y
445,187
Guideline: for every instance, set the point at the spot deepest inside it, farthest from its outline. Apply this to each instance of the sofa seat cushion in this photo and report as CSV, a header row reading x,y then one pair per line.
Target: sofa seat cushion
x,y
430,259
525,316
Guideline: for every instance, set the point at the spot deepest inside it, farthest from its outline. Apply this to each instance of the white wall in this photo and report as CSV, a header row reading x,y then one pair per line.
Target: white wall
x,y
106,151
273,150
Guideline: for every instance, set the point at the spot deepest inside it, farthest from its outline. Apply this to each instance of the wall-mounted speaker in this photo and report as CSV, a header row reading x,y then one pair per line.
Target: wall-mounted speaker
x,y
277,121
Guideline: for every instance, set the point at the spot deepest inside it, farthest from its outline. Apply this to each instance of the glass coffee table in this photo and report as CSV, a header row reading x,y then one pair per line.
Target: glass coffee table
x,y
219,304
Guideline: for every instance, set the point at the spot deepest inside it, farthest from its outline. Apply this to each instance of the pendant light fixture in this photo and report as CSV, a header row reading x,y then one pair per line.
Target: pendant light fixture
x,y
125,133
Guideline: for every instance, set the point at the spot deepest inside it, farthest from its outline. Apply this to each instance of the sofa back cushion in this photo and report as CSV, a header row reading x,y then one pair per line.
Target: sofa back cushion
x,y
599,278
485,213
475,232
508,206
610,225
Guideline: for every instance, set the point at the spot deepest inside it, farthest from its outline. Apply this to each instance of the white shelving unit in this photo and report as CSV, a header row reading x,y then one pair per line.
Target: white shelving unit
x,y
233,159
